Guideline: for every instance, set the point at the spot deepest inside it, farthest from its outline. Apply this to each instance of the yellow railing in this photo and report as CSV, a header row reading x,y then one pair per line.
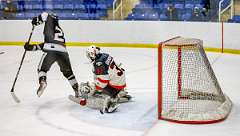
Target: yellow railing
x,y
117,9
226,12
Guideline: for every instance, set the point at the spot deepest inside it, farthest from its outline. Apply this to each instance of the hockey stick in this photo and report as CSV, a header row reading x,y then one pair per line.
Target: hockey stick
x,y
15,98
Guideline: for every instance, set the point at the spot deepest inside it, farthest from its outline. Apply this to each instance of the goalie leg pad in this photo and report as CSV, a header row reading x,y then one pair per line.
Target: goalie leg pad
x,y
102,102
110,105
96,102
93,102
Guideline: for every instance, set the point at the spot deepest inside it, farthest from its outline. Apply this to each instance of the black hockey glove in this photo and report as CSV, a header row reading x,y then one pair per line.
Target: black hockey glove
x,y
28,47
35,21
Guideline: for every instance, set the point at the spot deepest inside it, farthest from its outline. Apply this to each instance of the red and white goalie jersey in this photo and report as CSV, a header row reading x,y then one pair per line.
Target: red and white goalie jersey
x,y
107,72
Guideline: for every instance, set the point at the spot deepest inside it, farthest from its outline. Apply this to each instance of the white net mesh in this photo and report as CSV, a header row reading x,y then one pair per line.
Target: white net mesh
x,y
190,90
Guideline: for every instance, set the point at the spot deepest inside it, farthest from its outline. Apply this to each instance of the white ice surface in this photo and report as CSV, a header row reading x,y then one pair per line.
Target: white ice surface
x,y
53,114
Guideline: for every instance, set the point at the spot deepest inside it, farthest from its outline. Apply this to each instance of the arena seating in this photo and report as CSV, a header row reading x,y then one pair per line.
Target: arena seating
x,y
225,3
235,19
65,9
171,10
164,10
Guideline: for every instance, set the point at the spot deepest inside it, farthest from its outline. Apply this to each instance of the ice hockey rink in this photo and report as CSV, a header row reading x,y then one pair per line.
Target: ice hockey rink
x,y
54,115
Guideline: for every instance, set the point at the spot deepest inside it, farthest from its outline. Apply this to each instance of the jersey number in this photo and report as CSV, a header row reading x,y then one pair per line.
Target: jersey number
x,y
113,65
59,36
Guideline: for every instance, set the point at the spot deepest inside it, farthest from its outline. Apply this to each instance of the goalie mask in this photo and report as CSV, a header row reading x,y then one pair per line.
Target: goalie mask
x,y
92,52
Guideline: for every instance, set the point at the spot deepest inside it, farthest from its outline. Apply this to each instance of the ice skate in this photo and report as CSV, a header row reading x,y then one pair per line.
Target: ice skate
x,y
76,93
110,105
124,96
76,90
43,85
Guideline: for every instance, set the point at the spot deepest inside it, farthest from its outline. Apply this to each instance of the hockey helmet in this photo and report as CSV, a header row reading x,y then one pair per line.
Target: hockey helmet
x,y
92,52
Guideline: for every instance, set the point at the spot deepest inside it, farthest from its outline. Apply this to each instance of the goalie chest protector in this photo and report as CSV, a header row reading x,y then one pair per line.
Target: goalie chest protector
x,y
101,64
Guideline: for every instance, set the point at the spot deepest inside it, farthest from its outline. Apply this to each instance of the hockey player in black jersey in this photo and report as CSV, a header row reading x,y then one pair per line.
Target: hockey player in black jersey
x,y
54,49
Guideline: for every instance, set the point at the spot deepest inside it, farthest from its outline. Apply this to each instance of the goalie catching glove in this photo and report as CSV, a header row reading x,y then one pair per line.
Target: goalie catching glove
x,y
87,89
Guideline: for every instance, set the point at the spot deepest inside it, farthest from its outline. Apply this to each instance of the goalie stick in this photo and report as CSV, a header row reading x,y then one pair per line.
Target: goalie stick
x,y
15,98
74,99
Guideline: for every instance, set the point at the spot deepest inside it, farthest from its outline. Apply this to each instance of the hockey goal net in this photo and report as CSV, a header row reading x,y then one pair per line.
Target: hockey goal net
x,y
188,88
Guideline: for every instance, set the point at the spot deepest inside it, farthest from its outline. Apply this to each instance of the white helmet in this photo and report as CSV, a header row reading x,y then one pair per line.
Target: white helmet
x,y
92,52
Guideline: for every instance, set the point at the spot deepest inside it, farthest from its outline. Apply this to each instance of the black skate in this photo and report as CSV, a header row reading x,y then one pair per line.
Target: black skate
x,y
124,96
43,85
75,89
76,94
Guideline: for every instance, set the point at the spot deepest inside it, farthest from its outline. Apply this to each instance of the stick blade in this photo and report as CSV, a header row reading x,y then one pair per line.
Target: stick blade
x,y
15,98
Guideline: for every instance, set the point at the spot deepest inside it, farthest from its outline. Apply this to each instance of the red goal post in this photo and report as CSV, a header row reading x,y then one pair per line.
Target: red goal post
x,y
188,90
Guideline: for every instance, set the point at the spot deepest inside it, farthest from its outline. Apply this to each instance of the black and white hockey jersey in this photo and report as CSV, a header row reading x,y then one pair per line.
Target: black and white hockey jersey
x,y
53,34
108,73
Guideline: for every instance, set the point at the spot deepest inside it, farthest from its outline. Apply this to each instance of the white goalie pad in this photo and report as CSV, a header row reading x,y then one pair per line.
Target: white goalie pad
x,y
93,101
88,90
96,102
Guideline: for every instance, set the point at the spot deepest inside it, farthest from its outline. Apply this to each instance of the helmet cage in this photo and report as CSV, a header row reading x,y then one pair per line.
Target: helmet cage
x,y
92,52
